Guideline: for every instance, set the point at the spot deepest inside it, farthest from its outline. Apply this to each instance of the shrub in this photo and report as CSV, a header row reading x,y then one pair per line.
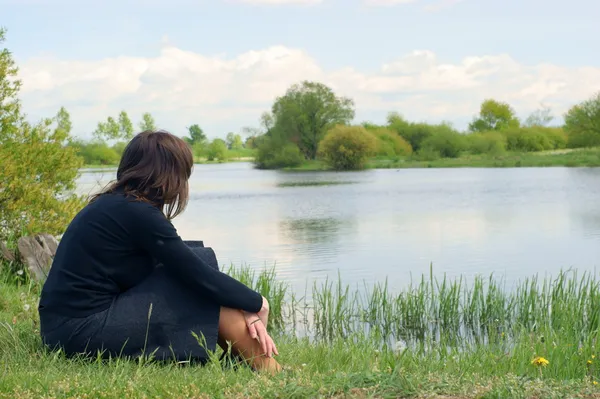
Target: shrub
x,y
531,139
97,153
582,123
444,141
273,154
414,133
347,147
492,143
557,136
37,176
217,150
390,143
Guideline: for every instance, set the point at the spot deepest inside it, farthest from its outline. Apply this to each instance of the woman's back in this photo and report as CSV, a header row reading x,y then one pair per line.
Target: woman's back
x,y
98,258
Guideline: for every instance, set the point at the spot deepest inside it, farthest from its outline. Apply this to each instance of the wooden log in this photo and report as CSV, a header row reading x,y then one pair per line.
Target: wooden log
x,y
36,257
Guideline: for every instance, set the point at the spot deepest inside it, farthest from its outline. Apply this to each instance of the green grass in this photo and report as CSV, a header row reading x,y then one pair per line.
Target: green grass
x,y
568,158
436,338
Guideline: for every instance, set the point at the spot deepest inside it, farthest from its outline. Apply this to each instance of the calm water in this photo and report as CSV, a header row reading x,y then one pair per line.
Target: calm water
x,y
394,223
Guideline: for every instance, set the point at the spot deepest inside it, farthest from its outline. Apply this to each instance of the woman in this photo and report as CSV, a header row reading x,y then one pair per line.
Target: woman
x,y
123,282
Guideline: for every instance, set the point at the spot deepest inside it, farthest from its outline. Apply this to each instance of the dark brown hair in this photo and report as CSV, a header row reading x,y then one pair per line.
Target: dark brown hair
x,y
155,168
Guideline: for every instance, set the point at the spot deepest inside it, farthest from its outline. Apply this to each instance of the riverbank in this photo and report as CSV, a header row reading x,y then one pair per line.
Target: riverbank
x,y
455,342
564,158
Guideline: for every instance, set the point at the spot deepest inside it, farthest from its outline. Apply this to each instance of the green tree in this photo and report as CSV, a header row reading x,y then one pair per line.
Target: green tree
x,y
582,123
494,115
445,142
37,169
147,122
217,150
196,135
125,126
272,154
109,130
63,121
234,141
306,112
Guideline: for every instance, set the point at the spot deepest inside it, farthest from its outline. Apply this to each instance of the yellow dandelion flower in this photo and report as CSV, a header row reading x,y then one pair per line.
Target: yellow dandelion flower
x,y
540,361
589,362
595,382
593,356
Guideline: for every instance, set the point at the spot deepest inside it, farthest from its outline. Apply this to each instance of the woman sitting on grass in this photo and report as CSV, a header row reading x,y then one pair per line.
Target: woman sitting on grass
x,y
123,282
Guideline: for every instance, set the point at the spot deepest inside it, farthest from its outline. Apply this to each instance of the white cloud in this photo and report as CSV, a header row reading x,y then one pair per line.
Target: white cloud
x,y
441,5
278,2
387,2
225,93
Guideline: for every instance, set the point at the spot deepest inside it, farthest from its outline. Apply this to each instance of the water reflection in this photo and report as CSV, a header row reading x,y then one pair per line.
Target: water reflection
x,y
381,224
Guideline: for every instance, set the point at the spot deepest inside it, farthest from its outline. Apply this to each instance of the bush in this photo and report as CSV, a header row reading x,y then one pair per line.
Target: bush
x,y
273,154
492,143
97,153
390,143
119,147
534,139
582,123
557,136
444,141
37,176
347,147
414,133
217,150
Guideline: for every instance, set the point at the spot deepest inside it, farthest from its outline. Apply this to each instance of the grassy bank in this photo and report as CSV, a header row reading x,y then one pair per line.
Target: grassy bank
x,y
568,158
436,338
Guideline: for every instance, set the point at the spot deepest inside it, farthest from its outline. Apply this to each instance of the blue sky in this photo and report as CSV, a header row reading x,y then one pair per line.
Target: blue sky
x,y
220,63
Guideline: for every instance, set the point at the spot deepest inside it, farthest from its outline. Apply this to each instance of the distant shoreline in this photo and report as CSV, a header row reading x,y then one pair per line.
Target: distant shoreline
x,y
562,158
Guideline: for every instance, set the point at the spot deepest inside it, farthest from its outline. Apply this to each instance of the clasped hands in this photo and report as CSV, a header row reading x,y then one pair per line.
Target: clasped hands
x,y
257,327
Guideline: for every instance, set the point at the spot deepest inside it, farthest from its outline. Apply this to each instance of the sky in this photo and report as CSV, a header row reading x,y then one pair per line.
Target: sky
x,y
221,63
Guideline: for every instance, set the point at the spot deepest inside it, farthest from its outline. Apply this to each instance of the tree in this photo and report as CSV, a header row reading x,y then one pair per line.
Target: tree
x,y
196,135
217,150
582,123
125,126
109,130
63,121
234,141
541,117
494,115
147,122
37,169
306,112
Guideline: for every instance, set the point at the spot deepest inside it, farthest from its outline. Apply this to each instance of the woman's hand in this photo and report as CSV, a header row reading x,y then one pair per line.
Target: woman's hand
x,y
257,327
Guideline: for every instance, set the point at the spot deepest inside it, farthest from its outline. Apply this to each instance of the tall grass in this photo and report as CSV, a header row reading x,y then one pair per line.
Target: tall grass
x,y
437,336
436,309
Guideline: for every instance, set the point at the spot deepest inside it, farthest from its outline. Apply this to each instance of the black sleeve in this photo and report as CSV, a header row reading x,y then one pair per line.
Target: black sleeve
x,y
156,234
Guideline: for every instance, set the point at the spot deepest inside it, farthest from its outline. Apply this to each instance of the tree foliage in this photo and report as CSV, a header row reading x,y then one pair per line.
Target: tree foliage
x,y
195,135
125,126
272,154
582,123
234,141
147,122
306,112
540,117
115,129
494,115
217,150
347,147
37,168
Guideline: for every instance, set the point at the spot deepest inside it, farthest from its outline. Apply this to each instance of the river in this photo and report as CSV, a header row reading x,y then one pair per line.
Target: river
x,y
378,224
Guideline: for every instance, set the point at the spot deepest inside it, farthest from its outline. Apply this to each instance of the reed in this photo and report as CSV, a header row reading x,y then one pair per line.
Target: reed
x,y
438,336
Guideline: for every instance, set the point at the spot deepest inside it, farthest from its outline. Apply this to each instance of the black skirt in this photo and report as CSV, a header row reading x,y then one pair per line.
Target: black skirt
x,y
159,317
